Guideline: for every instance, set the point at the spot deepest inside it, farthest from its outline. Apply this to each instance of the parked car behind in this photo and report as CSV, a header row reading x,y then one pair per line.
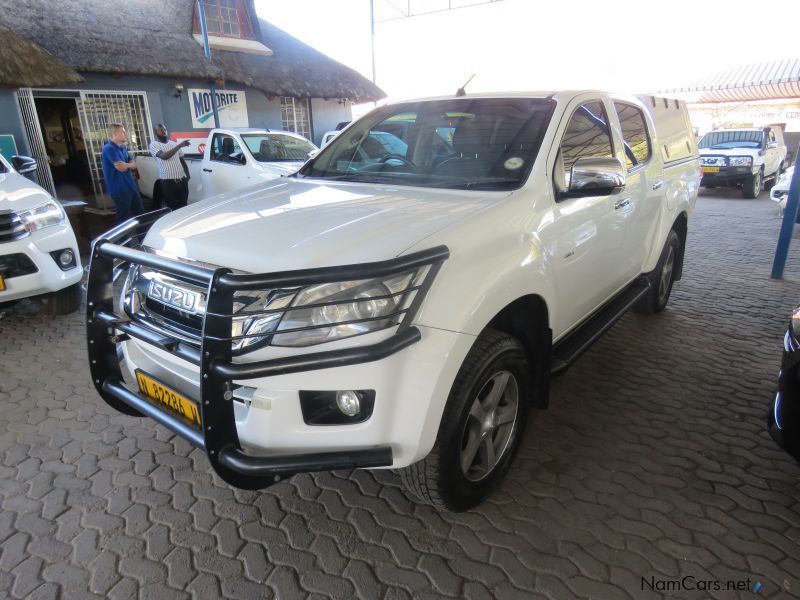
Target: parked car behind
x,y
751,159
780,191
783,418
403,300
38,250
233,159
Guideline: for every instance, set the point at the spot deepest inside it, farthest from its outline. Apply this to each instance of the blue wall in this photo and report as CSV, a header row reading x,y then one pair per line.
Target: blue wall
x,y
327,114
10,121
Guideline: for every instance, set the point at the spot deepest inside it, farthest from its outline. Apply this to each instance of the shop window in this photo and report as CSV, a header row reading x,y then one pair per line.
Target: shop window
x,y
295,116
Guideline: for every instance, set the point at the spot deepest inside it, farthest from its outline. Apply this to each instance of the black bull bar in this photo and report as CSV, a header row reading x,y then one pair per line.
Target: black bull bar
x,y
111,254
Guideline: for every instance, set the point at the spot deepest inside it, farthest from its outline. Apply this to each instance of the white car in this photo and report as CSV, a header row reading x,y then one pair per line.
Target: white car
x,y
402,305
233,159
780,191
38,251
751,159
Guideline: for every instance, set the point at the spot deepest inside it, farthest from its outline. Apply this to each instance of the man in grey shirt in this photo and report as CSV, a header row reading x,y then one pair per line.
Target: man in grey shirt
x,y
173,173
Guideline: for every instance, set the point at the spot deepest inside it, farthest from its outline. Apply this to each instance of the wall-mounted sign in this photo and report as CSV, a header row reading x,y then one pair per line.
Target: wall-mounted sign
x,y
197,141
232,107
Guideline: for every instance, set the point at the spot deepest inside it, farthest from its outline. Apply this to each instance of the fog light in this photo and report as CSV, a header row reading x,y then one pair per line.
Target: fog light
x,y
66,258
348,402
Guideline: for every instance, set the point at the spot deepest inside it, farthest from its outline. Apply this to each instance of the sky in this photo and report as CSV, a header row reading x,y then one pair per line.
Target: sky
x,y
510,45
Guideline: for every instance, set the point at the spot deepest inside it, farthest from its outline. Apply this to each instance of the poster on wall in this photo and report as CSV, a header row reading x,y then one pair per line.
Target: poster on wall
x,y
232,107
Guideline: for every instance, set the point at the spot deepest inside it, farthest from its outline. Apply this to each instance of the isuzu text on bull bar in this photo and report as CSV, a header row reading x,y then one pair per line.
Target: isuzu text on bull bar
x,y
403,299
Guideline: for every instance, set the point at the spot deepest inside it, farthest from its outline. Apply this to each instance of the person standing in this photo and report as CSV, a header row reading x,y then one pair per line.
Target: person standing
x,y
173,173
117,166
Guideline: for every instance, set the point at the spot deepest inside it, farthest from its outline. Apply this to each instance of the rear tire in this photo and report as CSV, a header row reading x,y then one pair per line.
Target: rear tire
x,y
662,278
481,427
63,301
752,187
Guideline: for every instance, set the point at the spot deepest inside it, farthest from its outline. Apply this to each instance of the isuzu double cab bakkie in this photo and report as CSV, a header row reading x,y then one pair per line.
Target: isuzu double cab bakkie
x,y
398,310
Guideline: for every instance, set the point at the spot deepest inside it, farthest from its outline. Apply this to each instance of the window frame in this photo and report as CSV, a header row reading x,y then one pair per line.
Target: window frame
x,y
581,103
244,21
226,162
646,132
294,119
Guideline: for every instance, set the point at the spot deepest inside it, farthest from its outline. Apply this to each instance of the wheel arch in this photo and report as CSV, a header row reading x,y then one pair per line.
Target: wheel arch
x,y
527,319
681,227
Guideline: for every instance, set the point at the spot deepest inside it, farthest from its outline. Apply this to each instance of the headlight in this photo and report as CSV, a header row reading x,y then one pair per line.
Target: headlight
x,y
45,215
322,313
740,161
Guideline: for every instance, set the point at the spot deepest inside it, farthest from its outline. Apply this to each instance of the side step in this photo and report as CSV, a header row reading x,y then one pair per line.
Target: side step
x,y
567,350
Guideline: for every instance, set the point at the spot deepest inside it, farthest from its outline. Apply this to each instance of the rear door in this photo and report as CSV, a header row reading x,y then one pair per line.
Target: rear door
x,y
644,186
226,168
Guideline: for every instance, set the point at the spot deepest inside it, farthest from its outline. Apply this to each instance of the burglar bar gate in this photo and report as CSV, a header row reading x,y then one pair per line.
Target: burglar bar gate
x,y
97,110
33,131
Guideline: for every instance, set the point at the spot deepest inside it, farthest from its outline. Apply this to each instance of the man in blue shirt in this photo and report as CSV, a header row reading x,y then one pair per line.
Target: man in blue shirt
x,y
117,165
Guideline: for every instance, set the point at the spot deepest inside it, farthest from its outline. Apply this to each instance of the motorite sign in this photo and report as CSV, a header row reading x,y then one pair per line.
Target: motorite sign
x,y
232,107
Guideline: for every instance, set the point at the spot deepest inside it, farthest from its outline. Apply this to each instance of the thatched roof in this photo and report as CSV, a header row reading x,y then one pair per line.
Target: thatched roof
x,y
154,37
24,64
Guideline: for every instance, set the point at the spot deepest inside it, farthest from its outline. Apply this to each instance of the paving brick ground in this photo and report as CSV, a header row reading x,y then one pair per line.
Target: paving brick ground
x,y
653,462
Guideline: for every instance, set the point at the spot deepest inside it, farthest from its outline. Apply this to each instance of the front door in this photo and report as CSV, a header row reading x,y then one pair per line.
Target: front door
x,y
226,168
589,231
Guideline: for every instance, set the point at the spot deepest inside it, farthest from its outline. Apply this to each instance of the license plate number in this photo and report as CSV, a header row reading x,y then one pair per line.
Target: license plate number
x,y
710,169
165,397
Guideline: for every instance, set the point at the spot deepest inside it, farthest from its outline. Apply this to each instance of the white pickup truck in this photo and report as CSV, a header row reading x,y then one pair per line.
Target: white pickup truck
x,y
232,159
752,159
380,309
38,251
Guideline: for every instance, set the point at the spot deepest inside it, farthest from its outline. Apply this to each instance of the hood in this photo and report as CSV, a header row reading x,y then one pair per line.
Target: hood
x,y
295,224
20,193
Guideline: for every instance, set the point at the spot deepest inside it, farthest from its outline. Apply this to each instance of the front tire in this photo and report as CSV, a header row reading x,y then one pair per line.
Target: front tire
x,y
481,426
63,301
752,187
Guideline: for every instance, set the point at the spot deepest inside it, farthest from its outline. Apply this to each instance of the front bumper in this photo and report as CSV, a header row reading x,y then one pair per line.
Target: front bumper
x,y
48,276
234,433
783,419
727,176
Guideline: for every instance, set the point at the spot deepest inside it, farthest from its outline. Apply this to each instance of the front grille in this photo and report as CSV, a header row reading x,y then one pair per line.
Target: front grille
x,y
713,161
11,227
16,265
188,324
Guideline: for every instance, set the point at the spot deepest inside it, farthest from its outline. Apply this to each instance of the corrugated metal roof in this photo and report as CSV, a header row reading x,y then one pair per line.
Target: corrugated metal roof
x,y
760,81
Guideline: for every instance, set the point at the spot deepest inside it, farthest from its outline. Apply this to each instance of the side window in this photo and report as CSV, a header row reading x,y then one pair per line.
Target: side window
x,y
634,134
226,149
587,135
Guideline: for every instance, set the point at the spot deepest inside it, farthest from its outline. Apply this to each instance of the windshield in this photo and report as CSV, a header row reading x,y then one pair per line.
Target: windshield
x,y
732,139
274,147
459,143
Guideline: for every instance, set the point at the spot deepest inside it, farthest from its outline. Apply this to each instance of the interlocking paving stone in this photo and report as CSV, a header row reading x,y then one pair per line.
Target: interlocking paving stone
x,y
652,462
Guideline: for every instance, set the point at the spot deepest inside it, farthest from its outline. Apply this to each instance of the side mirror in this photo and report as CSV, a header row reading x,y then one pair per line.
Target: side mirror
x,y
594,176
23,164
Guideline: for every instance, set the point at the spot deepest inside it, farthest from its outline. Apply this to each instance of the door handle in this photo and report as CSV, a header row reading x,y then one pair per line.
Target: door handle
x,y
622,203
657,185
208,170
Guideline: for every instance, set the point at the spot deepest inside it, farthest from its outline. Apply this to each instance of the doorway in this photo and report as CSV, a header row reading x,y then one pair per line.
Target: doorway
x,y
65,147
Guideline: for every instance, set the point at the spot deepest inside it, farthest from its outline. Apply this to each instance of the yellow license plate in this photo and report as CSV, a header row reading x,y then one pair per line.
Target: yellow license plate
x,y
710,169
166,397
2,283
